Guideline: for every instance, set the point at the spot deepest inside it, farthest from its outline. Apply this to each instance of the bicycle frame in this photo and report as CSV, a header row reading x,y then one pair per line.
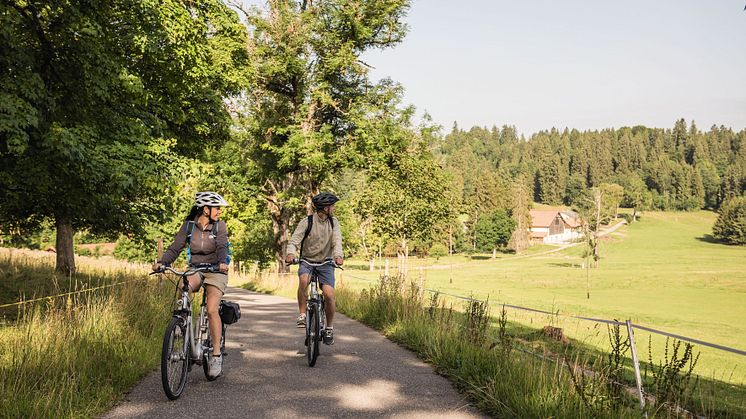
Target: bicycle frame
x,y
316,297
196,332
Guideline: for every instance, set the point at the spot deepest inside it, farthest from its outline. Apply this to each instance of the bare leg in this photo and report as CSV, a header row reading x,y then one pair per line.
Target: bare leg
x,y
302,293
213,316
194,283
330,303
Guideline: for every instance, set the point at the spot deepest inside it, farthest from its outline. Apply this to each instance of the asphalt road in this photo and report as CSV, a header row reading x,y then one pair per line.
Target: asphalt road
x,y
266,375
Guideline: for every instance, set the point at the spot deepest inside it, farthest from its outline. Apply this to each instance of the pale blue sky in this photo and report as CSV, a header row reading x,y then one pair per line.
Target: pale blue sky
x,y
581,64
586,64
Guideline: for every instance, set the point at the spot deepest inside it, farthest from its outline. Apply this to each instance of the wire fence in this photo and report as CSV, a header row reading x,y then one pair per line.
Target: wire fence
x,y
67,294
628,325
586,318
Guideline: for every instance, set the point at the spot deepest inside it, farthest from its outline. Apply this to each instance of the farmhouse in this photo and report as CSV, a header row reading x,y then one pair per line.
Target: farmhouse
x,y
553,226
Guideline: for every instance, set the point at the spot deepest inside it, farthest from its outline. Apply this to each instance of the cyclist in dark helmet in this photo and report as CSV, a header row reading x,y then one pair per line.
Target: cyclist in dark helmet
x,y
323,241
206,238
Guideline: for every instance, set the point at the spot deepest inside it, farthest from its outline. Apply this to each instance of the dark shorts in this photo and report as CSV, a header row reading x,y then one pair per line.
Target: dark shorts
x,y
325,272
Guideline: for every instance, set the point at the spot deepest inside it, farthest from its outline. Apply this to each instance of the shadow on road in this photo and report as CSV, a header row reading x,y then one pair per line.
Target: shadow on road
x,y
266,374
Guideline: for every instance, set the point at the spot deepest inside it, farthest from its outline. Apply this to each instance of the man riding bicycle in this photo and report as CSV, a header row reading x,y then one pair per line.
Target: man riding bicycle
x,y
206,239
321,242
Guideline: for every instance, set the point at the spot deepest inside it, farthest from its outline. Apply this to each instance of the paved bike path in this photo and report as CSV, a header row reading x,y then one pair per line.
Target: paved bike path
x,y
266,375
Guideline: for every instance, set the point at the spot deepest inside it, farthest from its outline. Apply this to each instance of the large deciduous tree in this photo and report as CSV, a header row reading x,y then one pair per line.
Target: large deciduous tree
x,y
493,231
311,92
97,94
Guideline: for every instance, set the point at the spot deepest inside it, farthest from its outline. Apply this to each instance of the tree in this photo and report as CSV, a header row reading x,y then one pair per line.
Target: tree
x,y
306,112
613,195
521,213
405,200
636,194
730,226
710,183
493,231
96,96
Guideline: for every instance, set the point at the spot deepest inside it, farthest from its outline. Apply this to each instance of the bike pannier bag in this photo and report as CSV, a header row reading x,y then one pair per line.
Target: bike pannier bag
x,y
230,312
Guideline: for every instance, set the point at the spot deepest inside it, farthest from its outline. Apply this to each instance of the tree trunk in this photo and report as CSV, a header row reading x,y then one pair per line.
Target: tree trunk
x,y
64,245
405,257
450,240
280,227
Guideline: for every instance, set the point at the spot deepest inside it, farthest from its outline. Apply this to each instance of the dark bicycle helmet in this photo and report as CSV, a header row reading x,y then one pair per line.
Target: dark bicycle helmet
x,y
323,200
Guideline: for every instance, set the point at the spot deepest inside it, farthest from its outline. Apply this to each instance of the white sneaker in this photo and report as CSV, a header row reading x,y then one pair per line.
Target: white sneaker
x,y
301,322
215,365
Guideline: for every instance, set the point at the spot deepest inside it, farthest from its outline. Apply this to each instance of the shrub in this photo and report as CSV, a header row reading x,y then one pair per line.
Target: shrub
x,y
438,250
730,226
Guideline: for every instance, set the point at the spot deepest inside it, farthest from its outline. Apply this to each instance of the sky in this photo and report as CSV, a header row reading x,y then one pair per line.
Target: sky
x,y
538,64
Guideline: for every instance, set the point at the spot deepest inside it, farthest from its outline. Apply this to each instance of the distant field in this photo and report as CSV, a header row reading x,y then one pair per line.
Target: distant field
x,y
663,272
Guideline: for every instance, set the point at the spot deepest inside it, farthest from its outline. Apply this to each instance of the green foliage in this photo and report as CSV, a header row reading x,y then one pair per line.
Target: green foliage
x,y
667,169
99,96
438,250
672,377
306,112
406,201
136,250
493,230
730,226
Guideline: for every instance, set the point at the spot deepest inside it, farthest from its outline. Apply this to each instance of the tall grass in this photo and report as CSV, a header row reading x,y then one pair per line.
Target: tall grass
x,y
500,382
75,356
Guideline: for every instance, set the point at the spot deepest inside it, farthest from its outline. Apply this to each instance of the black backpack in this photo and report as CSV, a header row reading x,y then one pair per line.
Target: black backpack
x,y
308,230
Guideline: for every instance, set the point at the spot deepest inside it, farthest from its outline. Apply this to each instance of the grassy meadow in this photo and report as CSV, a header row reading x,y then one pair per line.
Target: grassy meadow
x,y
663,272
76,355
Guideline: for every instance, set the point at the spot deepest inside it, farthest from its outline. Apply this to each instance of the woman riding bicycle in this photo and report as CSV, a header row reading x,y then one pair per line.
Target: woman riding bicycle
x,y
207,240
323,241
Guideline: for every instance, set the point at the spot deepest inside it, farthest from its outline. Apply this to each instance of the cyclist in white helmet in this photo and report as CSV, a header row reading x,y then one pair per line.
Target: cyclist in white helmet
x,y
207,240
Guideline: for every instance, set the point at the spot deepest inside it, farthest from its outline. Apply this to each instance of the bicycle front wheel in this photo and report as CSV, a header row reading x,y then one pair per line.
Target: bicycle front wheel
x,y
174,358
313,334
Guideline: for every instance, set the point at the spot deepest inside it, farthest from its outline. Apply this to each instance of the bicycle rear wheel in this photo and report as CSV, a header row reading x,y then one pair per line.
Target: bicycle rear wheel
x,y
174,358
313,333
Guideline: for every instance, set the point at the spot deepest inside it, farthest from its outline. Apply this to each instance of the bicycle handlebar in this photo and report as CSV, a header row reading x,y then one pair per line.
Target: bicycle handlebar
x,y
316,265
190,271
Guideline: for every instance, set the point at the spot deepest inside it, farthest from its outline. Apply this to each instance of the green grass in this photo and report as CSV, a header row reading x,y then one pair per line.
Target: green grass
x,y
76,356
663,272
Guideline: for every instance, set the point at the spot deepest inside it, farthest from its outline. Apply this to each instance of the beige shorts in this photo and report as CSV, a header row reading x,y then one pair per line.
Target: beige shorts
x,y
216,279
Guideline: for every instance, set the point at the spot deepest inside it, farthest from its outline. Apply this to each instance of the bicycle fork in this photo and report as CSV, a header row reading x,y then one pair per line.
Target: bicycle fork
x,y
194,335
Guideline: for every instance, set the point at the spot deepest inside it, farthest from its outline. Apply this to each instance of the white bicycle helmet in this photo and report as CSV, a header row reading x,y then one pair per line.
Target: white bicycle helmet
x,y
210,199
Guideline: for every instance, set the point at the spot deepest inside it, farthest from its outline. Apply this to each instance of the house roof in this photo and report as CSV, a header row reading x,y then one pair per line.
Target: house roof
x,y
541,218
571,218
544,218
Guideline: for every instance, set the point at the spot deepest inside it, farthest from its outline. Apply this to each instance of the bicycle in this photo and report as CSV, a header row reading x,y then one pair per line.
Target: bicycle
x,y
315,313
186,342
